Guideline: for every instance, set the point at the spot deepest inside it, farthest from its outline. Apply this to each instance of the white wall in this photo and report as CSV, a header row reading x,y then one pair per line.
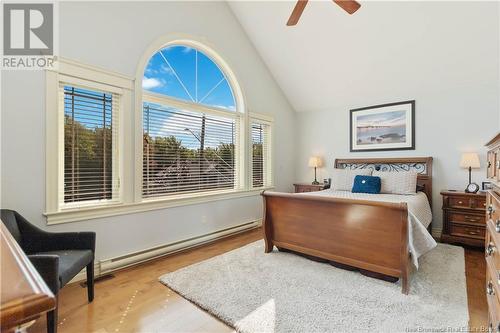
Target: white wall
x,y
443,54
445,127
114,36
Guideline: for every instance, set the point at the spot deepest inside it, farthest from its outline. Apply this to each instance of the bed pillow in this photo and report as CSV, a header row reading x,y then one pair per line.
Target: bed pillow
x,y
398,182
343,179
366,184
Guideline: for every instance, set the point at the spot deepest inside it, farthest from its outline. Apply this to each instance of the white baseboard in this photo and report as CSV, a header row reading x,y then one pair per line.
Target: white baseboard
x,y
109,265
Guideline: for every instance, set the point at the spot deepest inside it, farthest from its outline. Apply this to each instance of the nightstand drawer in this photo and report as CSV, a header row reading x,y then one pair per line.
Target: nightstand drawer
x,y
467,218
303,188
478,203
461,230
459,202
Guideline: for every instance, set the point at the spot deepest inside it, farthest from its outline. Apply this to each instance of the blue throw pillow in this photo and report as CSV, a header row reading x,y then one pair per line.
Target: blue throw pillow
x,y
366,184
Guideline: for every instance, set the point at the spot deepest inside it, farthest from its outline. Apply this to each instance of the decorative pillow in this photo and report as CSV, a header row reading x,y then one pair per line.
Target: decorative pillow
x,y
343,179
397,182
366,184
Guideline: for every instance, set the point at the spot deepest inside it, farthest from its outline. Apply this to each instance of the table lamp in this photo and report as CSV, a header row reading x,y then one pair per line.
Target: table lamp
x,y
315,162
470,161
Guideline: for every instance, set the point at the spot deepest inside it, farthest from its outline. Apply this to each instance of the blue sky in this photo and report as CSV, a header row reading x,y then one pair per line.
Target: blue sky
x,y
185,73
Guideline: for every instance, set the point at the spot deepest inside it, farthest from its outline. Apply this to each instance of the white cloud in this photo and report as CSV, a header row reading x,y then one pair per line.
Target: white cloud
x,y
149,83
166,69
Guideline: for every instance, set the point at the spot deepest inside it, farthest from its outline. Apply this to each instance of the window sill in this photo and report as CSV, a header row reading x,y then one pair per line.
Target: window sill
x,y
88,213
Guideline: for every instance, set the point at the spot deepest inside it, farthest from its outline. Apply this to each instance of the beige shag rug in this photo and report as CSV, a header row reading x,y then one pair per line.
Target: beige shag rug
x,y
283,292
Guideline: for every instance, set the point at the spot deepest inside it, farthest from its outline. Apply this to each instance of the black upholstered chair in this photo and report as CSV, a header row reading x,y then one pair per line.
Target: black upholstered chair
x,y
58,257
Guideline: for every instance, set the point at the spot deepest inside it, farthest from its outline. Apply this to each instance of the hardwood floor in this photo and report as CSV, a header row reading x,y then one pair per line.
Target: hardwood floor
x,y
134,301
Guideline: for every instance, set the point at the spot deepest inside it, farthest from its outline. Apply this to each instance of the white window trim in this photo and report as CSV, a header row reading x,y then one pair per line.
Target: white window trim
x,y
268,120
130,135
73,73
145,205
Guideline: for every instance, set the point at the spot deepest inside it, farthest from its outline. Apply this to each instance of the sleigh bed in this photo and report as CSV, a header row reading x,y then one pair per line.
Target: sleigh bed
x,y
368,235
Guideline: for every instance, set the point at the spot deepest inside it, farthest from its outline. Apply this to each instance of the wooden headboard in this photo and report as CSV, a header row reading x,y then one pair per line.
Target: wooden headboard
x,y
422,165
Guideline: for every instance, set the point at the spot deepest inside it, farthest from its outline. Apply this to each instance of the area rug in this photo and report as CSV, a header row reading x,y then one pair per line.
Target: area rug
x,y
282,292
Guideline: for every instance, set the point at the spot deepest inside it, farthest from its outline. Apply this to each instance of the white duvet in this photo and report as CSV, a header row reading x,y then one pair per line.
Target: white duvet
x,y
419,216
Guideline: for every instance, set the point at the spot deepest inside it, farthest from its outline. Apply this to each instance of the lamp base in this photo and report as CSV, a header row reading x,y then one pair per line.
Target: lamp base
x,y
315,182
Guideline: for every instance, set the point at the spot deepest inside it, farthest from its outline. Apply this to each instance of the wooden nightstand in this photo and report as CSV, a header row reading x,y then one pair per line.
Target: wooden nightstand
x,y
464,218
307,187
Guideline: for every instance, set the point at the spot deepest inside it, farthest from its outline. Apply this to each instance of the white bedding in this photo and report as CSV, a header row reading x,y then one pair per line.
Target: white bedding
x,y
419,216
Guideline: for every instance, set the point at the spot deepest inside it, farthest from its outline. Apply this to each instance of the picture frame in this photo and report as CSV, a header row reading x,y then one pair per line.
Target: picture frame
x,y
383,127
486,186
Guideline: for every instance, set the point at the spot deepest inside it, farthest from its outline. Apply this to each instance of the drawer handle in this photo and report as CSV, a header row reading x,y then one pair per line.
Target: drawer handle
x,y
460,202
473,233
490,249
470,219
491,330
489,289
497,225
490,210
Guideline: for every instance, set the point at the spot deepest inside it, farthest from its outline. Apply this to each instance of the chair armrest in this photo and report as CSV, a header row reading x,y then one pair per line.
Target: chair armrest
x,y
47,266
55,241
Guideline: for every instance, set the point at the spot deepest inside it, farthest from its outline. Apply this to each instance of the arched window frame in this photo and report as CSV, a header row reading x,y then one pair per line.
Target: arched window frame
x,y
243,158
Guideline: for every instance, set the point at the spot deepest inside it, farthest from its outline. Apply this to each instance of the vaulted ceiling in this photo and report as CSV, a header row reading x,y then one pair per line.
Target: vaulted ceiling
x,y
385,51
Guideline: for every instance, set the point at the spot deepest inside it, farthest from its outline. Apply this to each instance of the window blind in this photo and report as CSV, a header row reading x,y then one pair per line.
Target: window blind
x,y
187,151
261,158
90,124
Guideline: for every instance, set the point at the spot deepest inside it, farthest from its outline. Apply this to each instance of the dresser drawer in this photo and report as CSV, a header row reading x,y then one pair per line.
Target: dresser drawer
x,y
461,230
493,209
492,296
493,325
456,217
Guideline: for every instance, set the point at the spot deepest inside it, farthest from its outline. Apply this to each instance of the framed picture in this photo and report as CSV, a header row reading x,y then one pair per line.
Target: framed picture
x,y
383,127
487,186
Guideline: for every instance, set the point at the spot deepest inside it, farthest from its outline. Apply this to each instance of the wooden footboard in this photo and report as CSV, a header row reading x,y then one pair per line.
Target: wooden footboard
x,y
365,234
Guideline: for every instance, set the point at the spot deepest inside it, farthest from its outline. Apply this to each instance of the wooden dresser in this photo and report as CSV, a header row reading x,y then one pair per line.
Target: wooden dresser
x,y
307,187
464,218
492,242
24,296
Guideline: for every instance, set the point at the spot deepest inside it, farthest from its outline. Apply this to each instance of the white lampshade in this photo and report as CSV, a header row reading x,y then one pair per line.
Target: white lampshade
x,y
470,160
315,162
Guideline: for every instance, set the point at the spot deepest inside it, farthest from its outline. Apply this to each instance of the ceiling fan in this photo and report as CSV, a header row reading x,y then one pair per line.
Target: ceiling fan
x,y
349,6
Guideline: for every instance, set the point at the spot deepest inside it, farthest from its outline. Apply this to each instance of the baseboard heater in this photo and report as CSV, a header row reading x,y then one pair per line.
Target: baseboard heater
x,y
109,265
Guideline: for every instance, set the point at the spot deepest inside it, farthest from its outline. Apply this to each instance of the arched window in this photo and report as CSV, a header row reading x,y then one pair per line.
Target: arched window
x,y
186,73
193,131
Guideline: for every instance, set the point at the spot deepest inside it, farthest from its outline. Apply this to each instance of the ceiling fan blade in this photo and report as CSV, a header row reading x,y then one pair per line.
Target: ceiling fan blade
x,y
297,11
349,6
